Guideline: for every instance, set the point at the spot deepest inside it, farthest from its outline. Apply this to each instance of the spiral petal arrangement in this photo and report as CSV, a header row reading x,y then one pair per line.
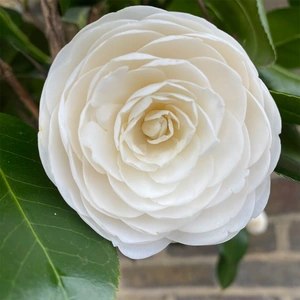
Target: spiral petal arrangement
x,y
156,128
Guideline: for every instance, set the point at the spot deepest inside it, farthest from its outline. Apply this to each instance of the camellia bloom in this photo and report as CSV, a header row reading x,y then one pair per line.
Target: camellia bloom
x,y
156,129
258,225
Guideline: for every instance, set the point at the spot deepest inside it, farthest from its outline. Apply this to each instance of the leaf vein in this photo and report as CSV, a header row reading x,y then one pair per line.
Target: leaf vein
x,y
78,256
34,234
27,183
65,229
48,205
15,154
13,282
9,234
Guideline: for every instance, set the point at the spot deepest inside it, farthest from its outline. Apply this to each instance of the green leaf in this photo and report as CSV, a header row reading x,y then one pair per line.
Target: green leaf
x,y
289,107
246,21
191,6
280,79
11,32
230,255
77,15
47,251
294,2
285,29
289,161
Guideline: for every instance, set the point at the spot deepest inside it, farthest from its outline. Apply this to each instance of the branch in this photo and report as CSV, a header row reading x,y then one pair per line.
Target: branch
x,y
204,10
54,29
8,75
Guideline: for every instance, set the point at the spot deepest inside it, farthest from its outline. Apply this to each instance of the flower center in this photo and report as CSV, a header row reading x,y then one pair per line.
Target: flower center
x,y
155,128
158,126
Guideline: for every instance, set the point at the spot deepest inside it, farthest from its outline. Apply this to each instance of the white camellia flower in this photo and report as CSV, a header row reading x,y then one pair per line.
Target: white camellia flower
x,y
258,225
156,129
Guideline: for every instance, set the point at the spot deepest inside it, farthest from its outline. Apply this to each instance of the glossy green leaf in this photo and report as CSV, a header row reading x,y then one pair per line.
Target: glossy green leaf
x,y
13,34
191,7
280,79
289,107
230,255
289,162
285,29
246,21
47,251
77,15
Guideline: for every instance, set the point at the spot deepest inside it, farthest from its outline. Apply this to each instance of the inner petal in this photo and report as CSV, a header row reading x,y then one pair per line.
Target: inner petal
x,y
158,125
155,128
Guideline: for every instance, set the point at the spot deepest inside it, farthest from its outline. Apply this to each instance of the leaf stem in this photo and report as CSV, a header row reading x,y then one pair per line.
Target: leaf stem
x,y
54,29
7,73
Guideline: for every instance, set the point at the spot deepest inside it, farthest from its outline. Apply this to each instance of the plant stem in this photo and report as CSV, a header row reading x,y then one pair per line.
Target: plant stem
x,y
54,29
7,73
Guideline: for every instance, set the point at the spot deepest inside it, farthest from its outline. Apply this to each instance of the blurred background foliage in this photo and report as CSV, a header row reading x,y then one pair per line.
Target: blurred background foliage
x,y
271,39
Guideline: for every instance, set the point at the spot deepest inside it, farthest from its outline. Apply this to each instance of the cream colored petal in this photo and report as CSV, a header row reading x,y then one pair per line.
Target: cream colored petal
x,y
129,158
210,102
74,105
262,193
180,70
101,144
159,26
186,48
142,184
259,171
230,150
143,250
244,215
237,179
191,187
145,205
157,226
187,210
119,44
102,197
258,127
235,59
118,229
218,216
205,131
200,239
180,19
181,167
68,59
59,166
225,82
